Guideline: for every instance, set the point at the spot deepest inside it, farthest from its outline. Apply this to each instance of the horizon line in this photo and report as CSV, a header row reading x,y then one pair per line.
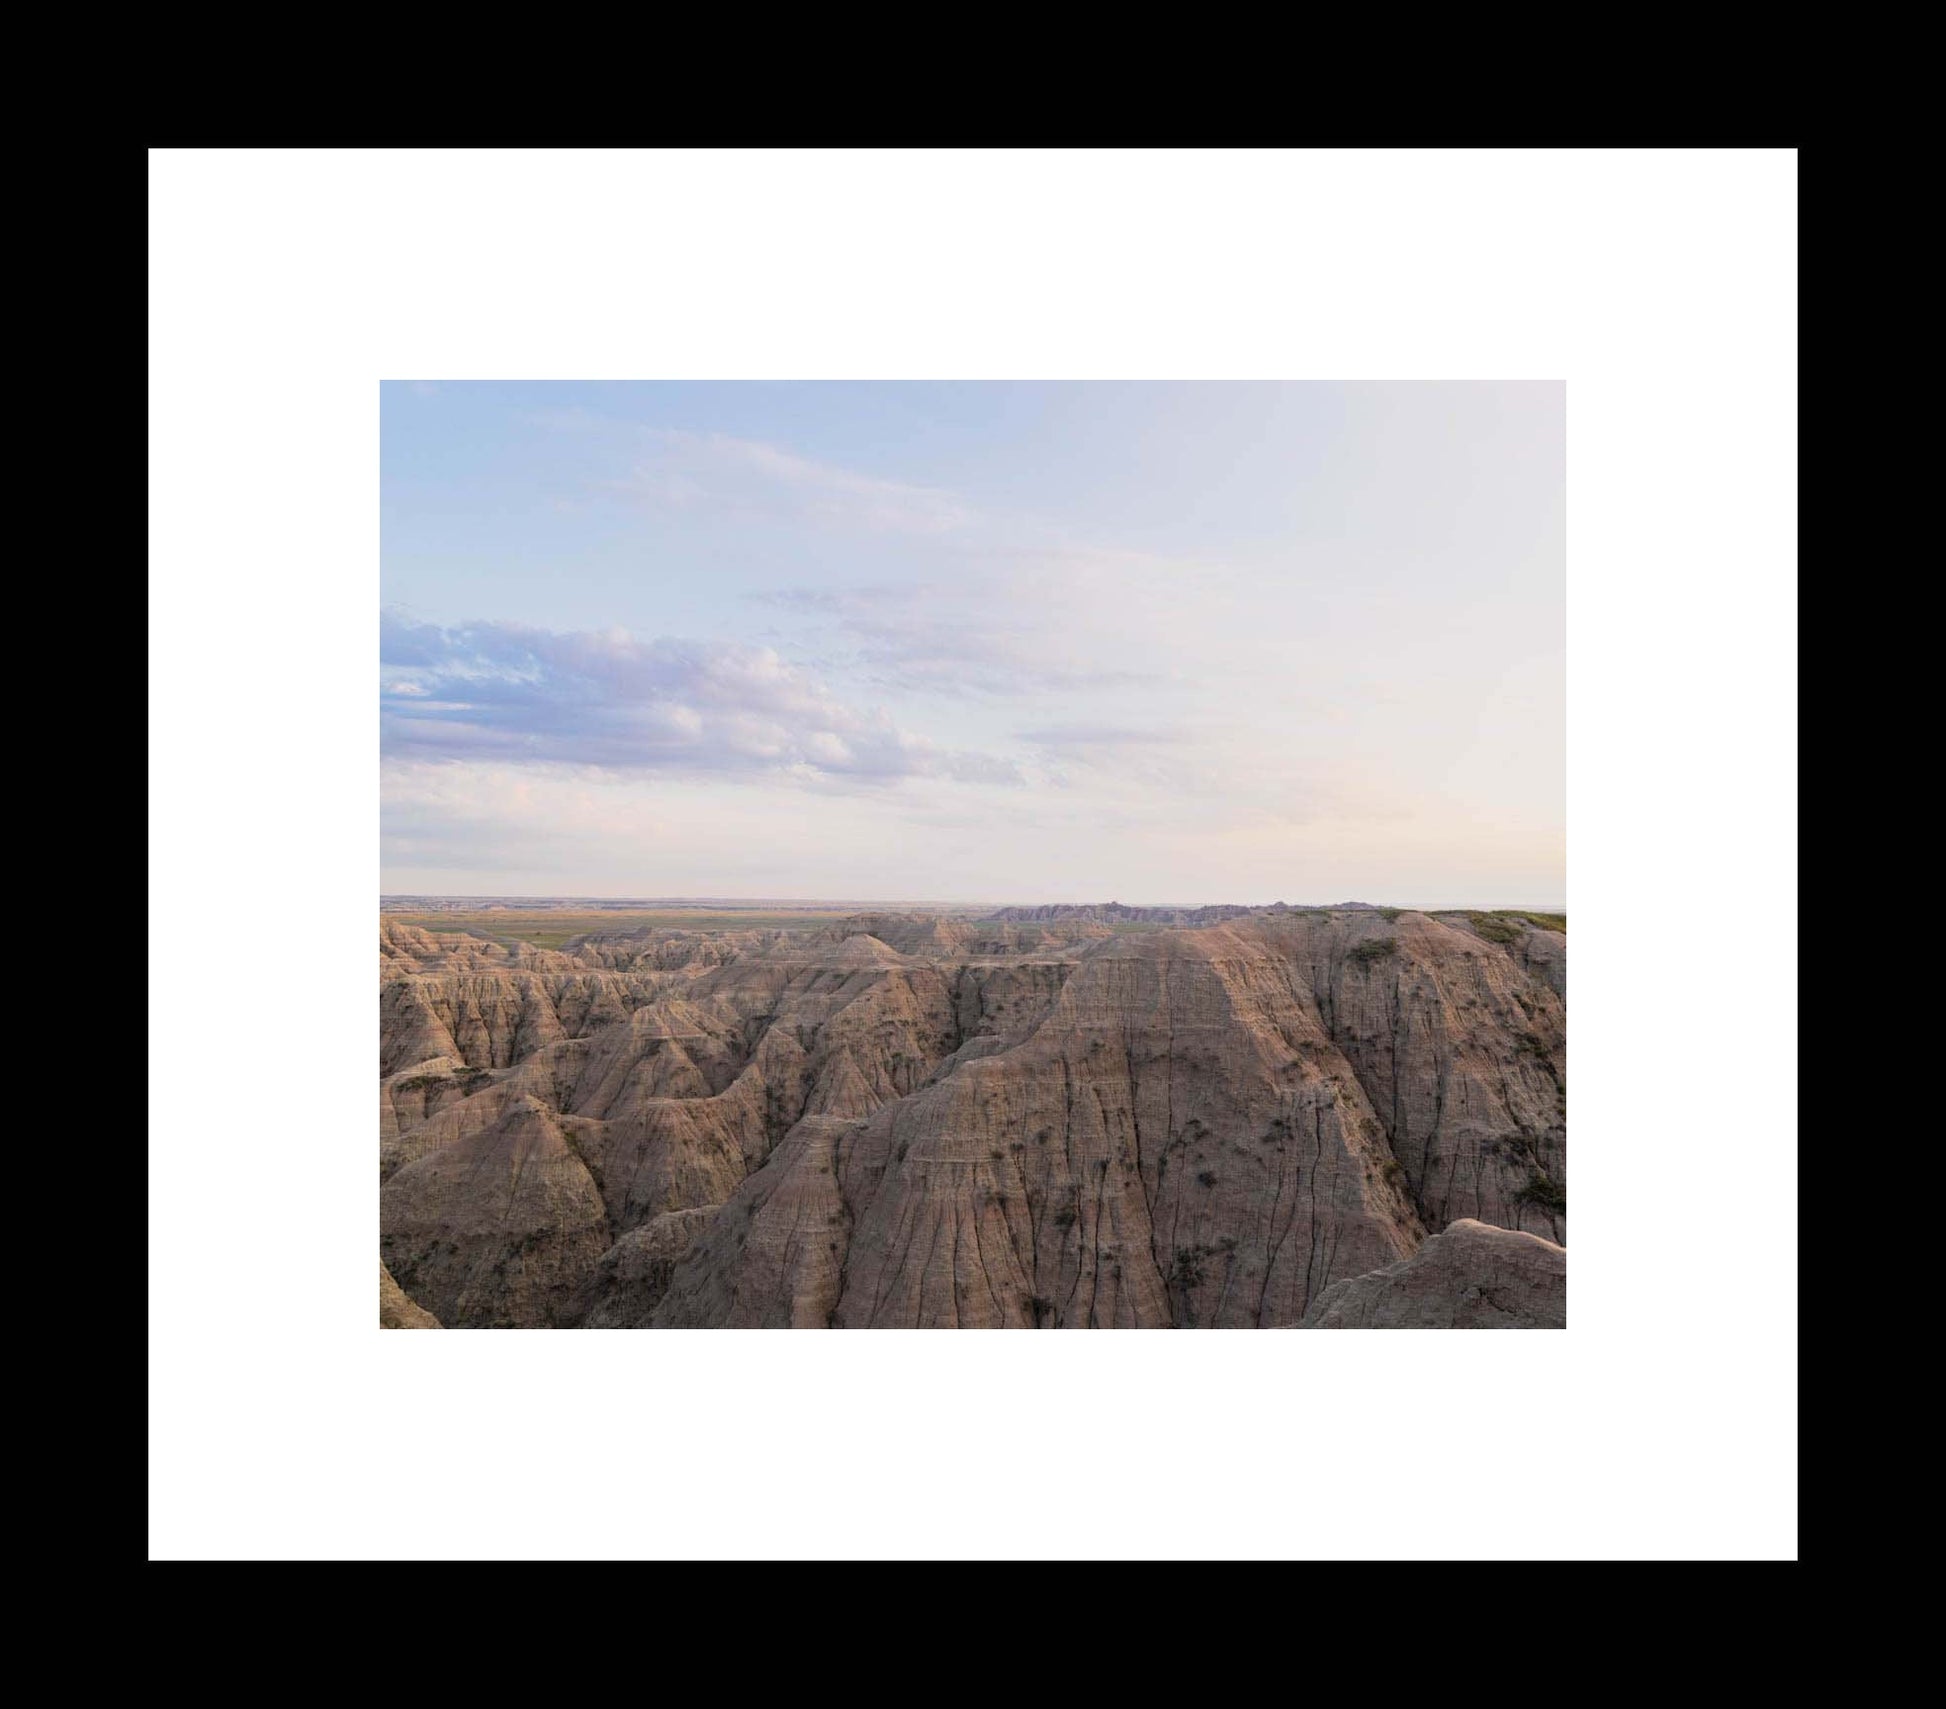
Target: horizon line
x,y
913,902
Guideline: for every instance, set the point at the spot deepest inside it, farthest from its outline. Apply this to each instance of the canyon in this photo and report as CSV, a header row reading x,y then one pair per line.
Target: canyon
x,y
1349,1117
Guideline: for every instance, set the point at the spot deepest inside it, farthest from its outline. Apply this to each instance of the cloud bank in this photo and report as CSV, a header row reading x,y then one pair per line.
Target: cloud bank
x,y
513,693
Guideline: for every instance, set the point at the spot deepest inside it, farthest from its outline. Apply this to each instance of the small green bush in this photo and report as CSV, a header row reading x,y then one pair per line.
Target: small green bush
x,y
1494,929
1372,950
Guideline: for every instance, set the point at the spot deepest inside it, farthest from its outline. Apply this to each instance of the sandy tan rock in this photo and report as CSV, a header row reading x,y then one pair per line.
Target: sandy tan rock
x,y
395,1310
1461,1050
909,1121
1176,1142
631,1277
498,1231
773,1257
1470,1276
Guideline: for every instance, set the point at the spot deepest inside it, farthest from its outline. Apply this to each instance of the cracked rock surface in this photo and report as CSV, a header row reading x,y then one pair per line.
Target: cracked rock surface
x,y
1470,1276
1286,1119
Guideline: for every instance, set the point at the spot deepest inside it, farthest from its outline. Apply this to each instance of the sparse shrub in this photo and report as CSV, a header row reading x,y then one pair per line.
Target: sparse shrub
x,y
1494,928
1190,1267
1206,1177
1393,1172
1066,1217
1544,1193
1372,950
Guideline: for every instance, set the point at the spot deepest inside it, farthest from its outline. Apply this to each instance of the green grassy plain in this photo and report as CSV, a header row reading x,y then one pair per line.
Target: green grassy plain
x,y
550,928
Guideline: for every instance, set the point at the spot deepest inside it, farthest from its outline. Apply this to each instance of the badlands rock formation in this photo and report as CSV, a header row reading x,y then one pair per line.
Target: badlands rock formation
x,y
395,1311
1346,1118
1471,1276
1105,913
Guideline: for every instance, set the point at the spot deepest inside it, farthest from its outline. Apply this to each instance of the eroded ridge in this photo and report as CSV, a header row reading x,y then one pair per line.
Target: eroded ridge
x,y
1287,1119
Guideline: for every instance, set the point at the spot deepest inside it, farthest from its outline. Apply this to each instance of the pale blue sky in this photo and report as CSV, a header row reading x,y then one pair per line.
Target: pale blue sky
x,y
1161,642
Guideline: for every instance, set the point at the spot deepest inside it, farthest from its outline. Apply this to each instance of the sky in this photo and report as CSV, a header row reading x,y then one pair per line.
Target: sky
x,y
981,642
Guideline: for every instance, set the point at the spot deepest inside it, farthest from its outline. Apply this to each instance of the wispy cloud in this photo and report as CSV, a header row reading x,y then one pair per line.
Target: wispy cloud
x,y
937,639
681,470
1175,762
509,692
1084,740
